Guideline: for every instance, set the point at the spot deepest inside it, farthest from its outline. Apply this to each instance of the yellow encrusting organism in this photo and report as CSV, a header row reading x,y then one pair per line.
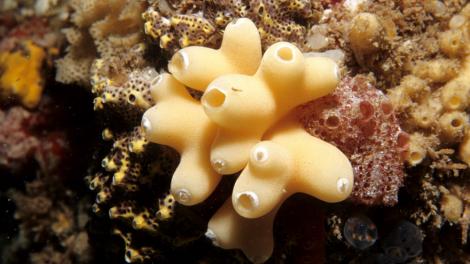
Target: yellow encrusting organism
x,y
454,95
240,52
284,80
437,70
134,255
177,24
366,35
434,99
287,161
20,73
419,146
455,207
166,207
464,152
453,125
456,92
178,120
121,171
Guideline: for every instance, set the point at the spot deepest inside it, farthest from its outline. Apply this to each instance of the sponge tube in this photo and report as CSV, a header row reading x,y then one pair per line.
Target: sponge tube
x,y
291,161
250,105
194,180
168,123
263,183
234,145
282,68
240,52
254,237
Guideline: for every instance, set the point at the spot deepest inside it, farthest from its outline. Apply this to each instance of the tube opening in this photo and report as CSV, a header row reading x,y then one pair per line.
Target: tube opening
x,y
454,101
247,201
456,122
260,154
104,163
212,237
146,124
342,185
131,98
156,80
183,196
214,98
179,62
332,122
219,165
285,53
416,157
387,108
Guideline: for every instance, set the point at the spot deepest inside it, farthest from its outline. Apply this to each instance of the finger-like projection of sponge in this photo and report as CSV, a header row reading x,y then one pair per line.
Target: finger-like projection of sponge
x,y
288,161
254,237
187,130
245,106
240,52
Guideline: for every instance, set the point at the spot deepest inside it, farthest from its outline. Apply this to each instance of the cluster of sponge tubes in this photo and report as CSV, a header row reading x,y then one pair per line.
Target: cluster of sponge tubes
x,y
242,123
435,97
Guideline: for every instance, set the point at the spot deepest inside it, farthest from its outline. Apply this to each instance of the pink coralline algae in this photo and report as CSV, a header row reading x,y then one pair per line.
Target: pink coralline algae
x,y
23,137
360,121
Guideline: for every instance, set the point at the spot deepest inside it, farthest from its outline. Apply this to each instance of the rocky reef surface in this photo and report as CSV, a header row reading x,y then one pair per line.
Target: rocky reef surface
x,y
85,179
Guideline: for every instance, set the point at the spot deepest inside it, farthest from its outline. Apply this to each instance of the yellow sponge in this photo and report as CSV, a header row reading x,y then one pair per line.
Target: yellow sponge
x,y
254,237
246,106
20,73
288,161
240,52
178,120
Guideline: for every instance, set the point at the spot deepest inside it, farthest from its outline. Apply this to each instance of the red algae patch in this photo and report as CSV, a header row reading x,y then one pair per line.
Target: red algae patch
x,y
359,120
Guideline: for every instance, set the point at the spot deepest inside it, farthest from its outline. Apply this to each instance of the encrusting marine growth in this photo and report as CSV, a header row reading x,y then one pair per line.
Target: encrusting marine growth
x,y
100,29
244,97
179,24
435,96
20,73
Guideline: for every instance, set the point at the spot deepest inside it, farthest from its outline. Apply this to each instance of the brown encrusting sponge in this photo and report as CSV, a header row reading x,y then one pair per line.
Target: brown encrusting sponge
x,y
178,24
388,37
432,101
100,29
